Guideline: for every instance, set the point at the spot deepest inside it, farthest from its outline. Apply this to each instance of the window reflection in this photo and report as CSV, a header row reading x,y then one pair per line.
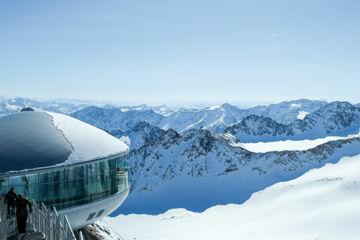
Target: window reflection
x,y
72,185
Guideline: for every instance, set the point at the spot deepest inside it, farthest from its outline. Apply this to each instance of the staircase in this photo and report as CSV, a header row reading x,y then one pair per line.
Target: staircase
x,y
11,231
42,224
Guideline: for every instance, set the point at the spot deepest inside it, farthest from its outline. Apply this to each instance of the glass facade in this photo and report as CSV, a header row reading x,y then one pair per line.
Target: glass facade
x,y
70,186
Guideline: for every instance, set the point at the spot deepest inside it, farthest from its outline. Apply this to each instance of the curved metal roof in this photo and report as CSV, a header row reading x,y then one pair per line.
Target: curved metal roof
x,y
35,139
30,140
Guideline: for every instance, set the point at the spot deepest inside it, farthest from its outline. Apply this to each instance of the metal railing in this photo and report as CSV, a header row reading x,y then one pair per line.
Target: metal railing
x,y
42,220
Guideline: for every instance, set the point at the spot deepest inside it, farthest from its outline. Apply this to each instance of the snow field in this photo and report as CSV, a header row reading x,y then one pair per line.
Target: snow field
x,y
290,145
322,204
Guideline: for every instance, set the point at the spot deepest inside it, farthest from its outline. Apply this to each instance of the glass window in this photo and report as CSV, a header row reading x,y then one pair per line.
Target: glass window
x,y
46,193
4,185
72,185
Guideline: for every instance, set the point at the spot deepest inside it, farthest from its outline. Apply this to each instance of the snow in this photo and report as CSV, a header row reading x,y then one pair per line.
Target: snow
x,y
295,105
12,107
124,110
194,124
289,145
214,107
322,204
126,140
302,115
88,142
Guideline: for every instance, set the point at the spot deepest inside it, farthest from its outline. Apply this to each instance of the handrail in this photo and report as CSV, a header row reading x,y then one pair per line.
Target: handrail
x,y
42,220
51,224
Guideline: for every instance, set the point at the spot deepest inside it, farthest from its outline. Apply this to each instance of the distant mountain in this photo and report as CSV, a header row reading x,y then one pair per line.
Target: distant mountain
x,y
12,105
336,118
257,126
162,110
287,112
215,118
199,169
142,133
116,118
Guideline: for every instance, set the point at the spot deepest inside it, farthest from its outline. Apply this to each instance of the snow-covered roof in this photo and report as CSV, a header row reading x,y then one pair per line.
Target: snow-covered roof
x,y
38,139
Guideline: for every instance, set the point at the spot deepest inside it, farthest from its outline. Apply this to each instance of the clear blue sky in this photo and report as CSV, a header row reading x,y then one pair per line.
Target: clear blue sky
x,y
162,51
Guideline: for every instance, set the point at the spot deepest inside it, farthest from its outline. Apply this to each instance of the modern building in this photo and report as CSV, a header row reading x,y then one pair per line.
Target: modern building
x,y
63,162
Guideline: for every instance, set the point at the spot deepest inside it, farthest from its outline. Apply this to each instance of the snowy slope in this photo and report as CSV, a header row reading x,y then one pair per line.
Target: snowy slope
x,y
323,204
302,115
199,169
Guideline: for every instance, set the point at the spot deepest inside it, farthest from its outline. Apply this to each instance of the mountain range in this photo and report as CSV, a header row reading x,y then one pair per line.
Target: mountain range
x,y
194,158
199,169
11,105
298,119
333,119
215,118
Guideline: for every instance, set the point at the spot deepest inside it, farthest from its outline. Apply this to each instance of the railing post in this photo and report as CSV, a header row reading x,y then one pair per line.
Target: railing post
x,y
43,220
37,216
81,237
48,225
69,232
57,225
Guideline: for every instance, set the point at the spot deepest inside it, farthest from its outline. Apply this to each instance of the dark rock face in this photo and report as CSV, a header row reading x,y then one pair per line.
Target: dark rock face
x,y
90,233
257,126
